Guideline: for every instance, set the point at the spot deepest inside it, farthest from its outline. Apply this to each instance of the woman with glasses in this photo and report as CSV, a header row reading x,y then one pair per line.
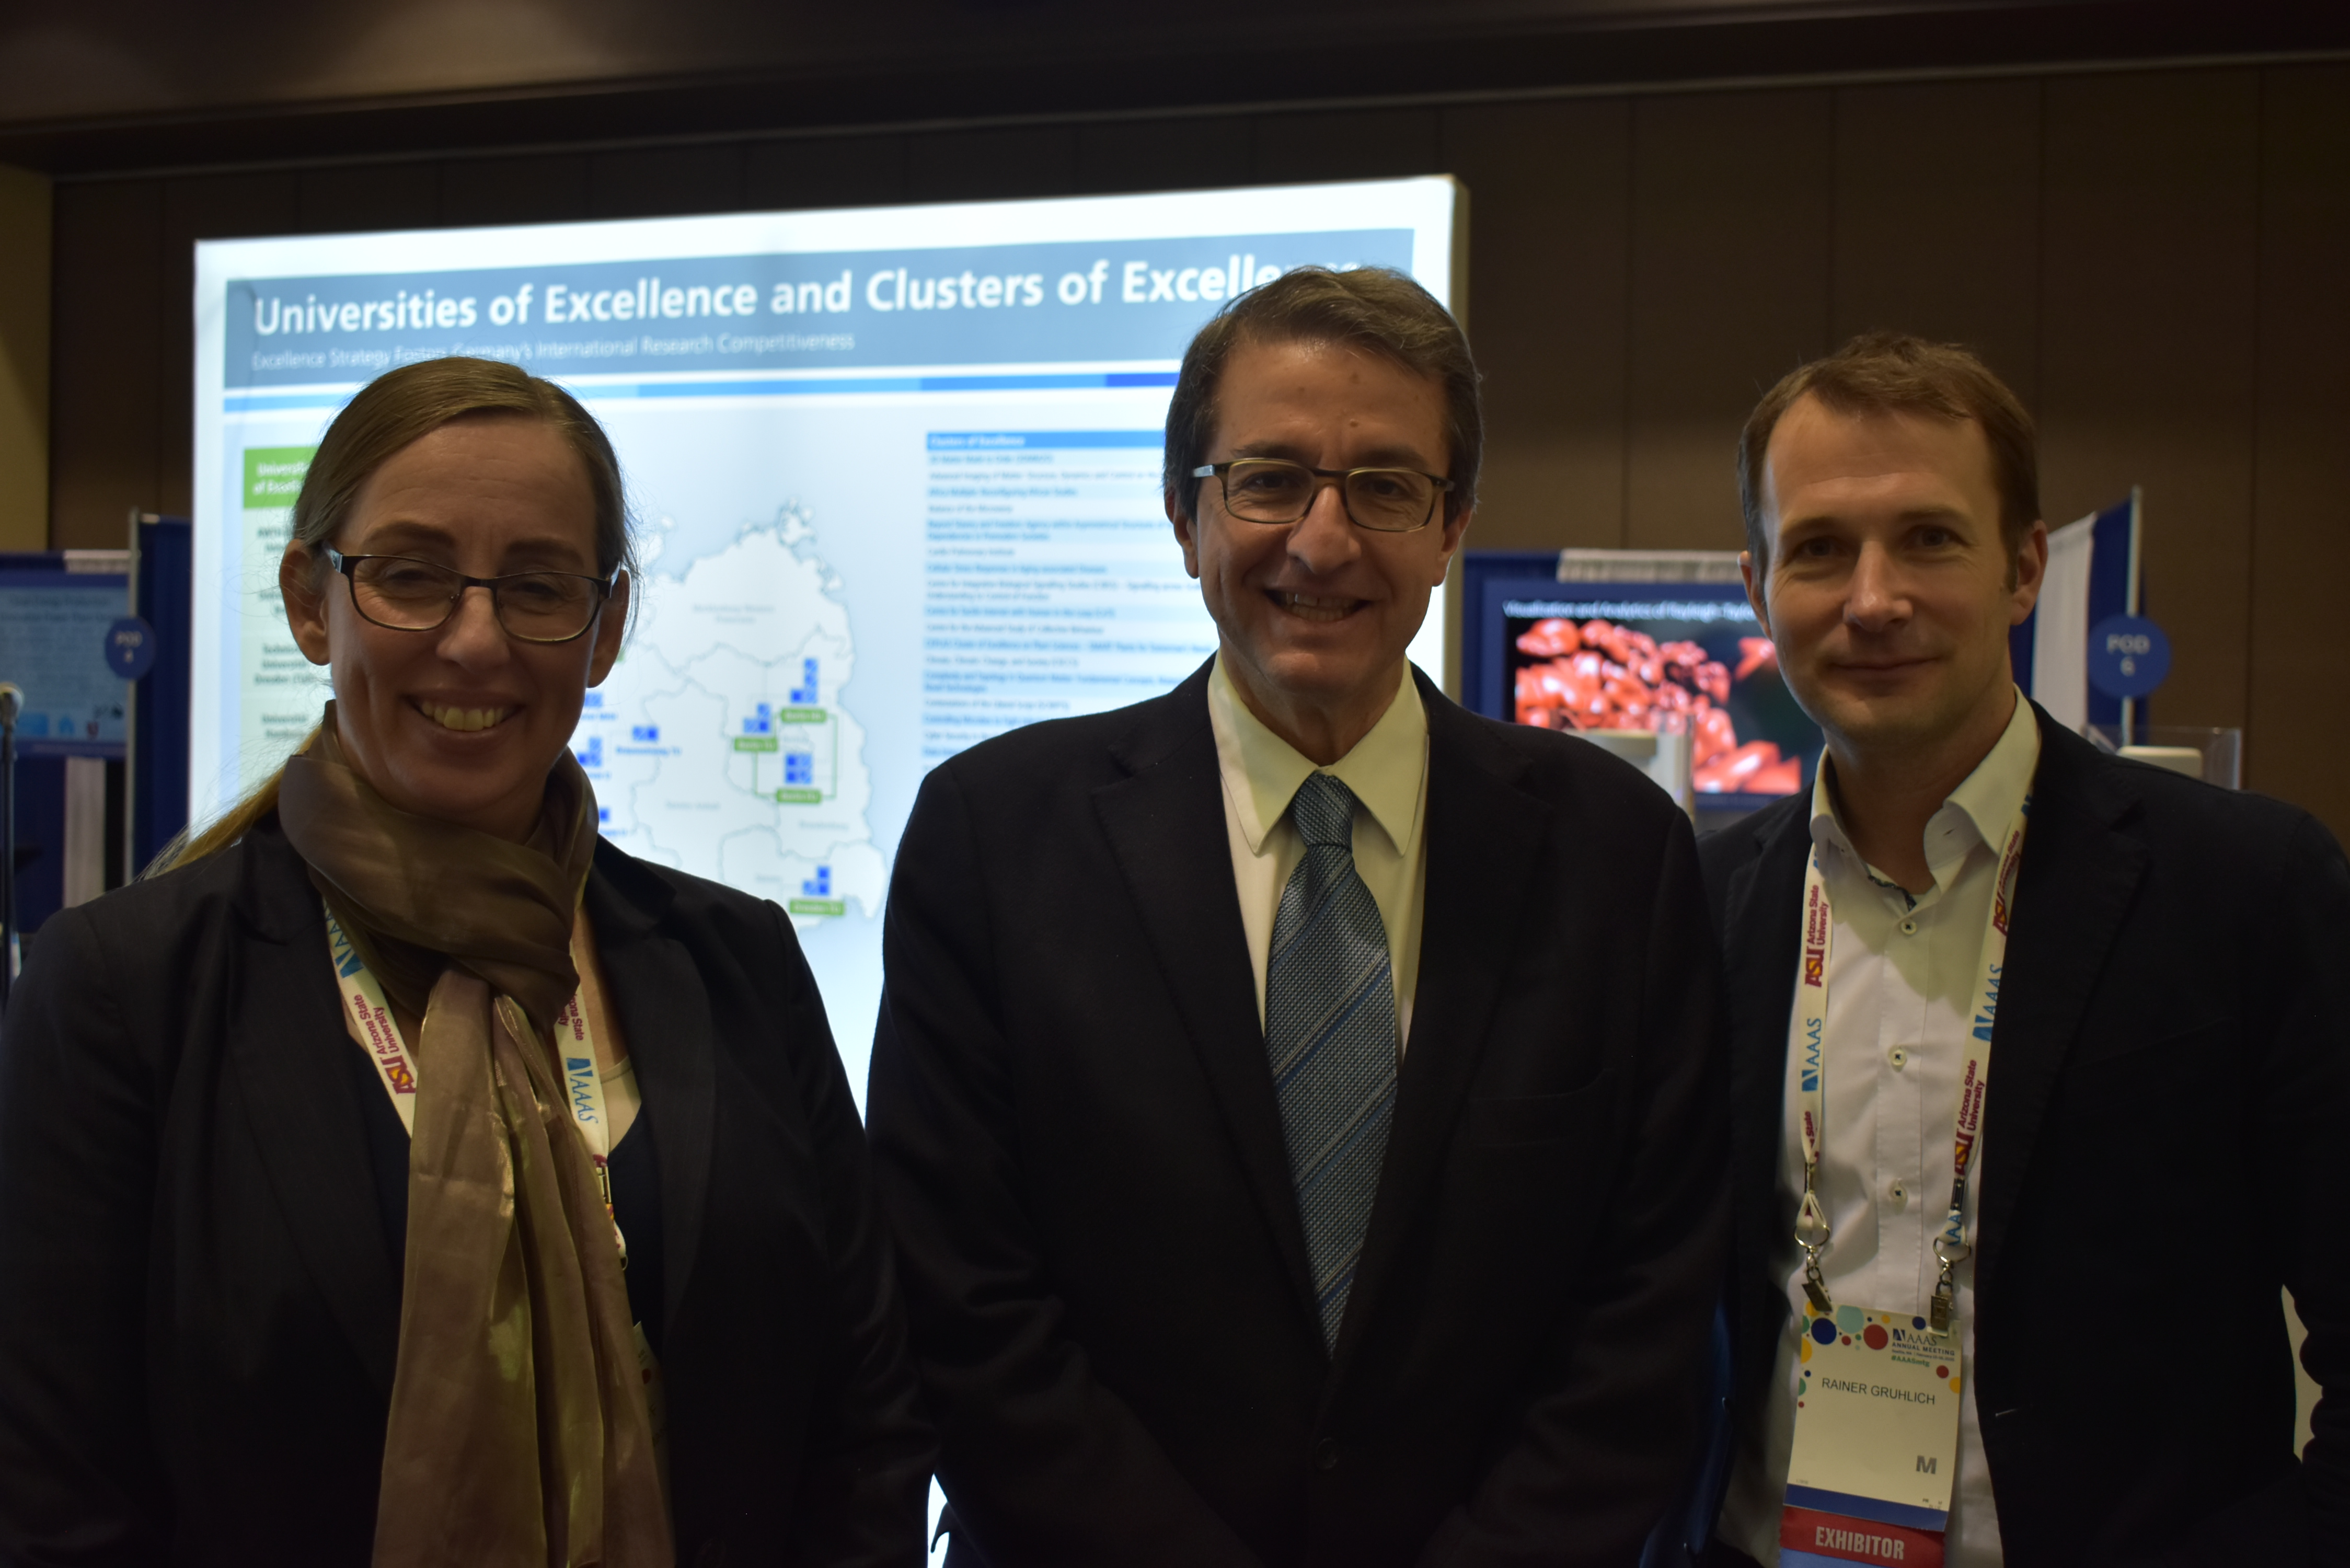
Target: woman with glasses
x,y
407,1176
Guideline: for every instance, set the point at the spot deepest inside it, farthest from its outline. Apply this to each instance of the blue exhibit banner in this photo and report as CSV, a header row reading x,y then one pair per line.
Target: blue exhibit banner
x,y
1084,301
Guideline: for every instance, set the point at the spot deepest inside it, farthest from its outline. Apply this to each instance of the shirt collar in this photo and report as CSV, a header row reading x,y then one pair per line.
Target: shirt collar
x,y
1978,812
1385,770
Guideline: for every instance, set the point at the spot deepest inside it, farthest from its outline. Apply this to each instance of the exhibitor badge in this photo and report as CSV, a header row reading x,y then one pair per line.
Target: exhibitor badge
x,y
1876,1441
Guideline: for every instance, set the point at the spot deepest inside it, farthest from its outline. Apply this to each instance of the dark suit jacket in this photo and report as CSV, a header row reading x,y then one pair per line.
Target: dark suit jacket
x,y
2166,1143
199,1316
1077,1136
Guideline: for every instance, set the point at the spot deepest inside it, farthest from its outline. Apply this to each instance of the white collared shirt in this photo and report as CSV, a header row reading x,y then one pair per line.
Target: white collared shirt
x,y
1387,771
1900,980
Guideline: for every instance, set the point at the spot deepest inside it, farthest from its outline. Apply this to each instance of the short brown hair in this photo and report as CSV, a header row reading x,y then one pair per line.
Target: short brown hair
x,y
1373,308
1894,372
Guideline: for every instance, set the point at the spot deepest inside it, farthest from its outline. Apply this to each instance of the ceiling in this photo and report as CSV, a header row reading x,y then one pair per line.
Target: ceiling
x,y
113,86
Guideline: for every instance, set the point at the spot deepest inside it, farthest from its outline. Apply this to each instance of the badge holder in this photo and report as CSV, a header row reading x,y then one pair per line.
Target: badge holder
x,y
1876,1441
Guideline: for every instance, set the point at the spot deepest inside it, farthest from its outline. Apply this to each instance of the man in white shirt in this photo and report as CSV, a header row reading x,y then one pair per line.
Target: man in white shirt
x,y
1963,971
1297,1099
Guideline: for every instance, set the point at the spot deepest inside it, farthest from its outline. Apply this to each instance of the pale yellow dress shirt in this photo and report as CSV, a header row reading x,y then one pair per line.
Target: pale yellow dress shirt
x,y
1387,771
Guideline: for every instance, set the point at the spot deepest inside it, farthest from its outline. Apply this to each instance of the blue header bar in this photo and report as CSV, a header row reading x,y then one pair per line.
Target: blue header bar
x,y
1017,303
797,387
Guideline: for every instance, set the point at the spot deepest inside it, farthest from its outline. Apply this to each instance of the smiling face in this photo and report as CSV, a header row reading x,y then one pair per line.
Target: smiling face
x,y
1313,618
1890,591
461,722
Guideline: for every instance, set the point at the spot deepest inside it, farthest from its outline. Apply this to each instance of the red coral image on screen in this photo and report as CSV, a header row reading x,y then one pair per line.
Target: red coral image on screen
x,y
1601,676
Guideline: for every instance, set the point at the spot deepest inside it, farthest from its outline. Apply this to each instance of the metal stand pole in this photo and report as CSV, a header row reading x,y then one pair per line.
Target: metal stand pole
x,y
130,729
12,702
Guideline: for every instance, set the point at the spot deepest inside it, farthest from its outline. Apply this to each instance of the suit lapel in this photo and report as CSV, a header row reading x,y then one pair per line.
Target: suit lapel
x,y
665,1018
1165,823
2078,878
1761,926
1483,840
284,1029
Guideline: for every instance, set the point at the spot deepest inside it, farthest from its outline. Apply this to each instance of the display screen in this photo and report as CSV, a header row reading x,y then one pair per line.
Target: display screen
x,y
896,476
1631,655
53,631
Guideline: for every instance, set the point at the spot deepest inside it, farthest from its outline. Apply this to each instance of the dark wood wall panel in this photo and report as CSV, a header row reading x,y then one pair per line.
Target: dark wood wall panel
x,y
1938,218
2146,361
992,165
825,172
369,196
107,367
197,209
551,188
1352,144
1167,155
2153,259
1549,269
665,182
1732,213
2301,502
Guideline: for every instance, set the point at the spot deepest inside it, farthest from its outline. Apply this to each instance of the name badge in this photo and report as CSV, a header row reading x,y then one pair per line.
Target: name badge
x,y
1876,1441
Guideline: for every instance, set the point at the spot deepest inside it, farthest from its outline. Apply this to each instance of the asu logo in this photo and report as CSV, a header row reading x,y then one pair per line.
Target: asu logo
x,y
1999,913
1816,967
403,1081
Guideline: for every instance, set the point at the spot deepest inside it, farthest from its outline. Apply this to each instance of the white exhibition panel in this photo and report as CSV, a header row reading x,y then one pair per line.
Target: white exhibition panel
x,y
895,470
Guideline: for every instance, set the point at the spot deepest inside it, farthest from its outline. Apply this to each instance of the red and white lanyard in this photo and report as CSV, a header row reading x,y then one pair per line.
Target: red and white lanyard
x,y
1811,1229
395,1065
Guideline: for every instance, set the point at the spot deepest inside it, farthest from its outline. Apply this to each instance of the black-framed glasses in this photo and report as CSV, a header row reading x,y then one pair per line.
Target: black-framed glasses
x,y
408,595
1276,490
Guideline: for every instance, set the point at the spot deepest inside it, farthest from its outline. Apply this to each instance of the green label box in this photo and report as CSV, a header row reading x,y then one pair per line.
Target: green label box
x,y
272,475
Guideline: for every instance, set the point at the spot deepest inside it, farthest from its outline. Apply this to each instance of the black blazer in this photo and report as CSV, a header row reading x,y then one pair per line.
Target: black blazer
x,y
199,1316
1077,1136
2166,1144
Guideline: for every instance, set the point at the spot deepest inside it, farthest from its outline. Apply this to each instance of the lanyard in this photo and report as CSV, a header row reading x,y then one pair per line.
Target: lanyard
x,y
371,1014
1811,1229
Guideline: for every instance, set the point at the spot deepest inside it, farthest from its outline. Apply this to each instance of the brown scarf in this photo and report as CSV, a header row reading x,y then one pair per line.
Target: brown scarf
x,y
519,1435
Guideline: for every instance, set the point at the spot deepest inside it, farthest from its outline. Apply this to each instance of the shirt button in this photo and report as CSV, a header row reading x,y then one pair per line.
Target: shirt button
x,y
1325,1455
1899,1194
1909,928
1899,1057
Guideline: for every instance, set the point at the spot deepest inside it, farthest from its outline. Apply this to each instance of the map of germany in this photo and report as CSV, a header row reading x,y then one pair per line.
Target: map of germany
x,y
719,745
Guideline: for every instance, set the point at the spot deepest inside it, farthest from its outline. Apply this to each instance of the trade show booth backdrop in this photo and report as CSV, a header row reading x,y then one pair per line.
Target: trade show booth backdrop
x,y
2152,257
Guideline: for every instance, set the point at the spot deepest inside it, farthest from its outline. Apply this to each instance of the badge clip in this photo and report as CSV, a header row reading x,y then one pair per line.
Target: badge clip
x,y
1812,1235
1944,1307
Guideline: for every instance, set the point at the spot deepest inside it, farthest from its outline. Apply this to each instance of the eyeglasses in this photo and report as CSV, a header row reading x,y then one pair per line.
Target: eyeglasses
x,y
1274,490
408,595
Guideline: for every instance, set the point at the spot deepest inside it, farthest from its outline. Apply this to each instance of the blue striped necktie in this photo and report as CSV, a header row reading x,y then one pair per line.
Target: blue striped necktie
x,y
1330,1030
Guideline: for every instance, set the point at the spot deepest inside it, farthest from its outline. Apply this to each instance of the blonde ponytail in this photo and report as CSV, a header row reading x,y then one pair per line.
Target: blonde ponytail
x,y
189,846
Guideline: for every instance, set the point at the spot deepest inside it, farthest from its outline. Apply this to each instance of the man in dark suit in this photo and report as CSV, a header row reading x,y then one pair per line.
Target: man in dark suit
x,y
1295,1097
2064,1024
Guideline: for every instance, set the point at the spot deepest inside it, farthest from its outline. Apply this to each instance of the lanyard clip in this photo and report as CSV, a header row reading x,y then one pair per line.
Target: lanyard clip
x,y
1944,1307
1812,1234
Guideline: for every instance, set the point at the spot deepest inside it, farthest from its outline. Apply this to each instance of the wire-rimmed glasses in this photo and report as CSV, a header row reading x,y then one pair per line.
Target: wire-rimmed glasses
x,y
1276,490
408,595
